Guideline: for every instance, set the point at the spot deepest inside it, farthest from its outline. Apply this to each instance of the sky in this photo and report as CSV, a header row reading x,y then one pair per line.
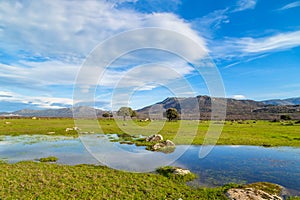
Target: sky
x,y
44,45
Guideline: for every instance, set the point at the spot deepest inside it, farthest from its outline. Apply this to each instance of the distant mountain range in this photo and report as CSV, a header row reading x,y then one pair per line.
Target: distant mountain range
x,y
63,112
290,101
235,109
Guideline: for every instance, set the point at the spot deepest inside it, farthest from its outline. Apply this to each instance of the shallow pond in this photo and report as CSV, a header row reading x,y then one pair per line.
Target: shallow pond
x,y
224,164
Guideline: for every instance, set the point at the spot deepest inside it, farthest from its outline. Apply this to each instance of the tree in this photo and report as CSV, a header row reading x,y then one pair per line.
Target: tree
x,y
126,112
285,117
172,114
133,114
105,115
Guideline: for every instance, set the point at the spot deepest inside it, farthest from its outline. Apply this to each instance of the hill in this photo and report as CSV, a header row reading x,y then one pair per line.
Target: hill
x,y
189,108
289,101
235,109
63,112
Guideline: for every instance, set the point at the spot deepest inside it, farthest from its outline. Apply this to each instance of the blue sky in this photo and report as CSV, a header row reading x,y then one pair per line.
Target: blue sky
x,y
255,45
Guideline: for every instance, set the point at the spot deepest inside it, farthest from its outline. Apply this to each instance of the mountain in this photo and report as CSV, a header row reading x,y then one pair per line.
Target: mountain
x,y
289,101
82,111
235,109
189,108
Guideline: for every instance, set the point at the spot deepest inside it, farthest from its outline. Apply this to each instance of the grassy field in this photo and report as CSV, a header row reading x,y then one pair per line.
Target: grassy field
x,y
263,133
33,180
30,180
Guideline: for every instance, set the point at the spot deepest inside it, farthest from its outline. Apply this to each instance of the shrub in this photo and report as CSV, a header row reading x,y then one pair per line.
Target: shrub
x,y
285,117
48,159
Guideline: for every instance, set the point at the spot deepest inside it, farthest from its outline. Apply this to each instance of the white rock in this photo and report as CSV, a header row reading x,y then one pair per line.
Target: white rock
x,y
69,129
180,171
250,194
169,143
154,138
76,128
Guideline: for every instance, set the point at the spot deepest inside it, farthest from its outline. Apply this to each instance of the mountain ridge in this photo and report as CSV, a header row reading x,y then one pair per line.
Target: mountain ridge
x,y
235,109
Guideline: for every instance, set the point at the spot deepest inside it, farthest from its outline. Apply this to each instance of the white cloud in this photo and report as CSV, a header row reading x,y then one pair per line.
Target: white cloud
x,y
40,73
247,46
245,5
6,94
64,34
215,19
37,101
60,29
272,43
290,5
147,77
212,21
238,96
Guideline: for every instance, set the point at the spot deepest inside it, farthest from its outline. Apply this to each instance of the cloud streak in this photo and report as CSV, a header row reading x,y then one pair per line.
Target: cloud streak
x,y
38,101
289,6
277,42
245,5
232,48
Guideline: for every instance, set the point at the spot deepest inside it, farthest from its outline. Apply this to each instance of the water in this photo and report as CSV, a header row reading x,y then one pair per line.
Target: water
x,y
224,164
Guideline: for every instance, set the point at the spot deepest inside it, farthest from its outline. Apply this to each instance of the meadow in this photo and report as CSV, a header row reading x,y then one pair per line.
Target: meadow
x,y
33,180
250,132
43,180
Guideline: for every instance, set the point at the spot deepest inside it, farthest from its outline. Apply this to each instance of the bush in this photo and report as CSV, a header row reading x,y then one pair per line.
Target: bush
x,y
48,159
275,120
285,117
105,115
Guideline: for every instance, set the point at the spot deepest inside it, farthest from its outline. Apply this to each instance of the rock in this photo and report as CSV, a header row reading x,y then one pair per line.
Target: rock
x,y
161,145
157,146
169,143
250,194
180,171
166,171
154,138
69,129
7,122
76,128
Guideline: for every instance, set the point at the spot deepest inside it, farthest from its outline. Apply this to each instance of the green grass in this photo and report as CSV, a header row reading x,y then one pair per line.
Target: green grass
x,y
36,126
262,133
30,180
293,198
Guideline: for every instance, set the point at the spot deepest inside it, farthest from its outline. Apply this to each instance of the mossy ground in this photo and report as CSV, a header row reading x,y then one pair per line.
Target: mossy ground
x,y
31,180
